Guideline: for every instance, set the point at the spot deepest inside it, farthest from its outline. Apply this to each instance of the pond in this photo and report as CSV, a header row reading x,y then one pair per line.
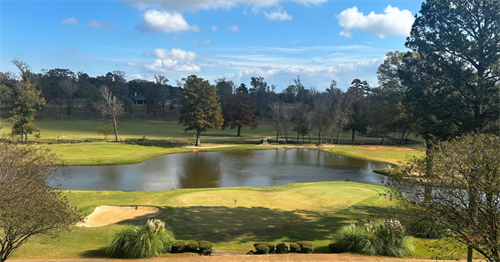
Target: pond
x,y
256,168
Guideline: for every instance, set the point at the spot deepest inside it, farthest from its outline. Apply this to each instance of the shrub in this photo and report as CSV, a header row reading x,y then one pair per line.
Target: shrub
x,y
145,241
204,245
105,130
281,248
294,247
262,249
178,246
192,246
168,249
271,246
305,247
387,239
426,228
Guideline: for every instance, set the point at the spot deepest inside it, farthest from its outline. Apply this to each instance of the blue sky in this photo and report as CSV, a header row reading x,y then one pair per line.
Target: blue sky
x,y
317,39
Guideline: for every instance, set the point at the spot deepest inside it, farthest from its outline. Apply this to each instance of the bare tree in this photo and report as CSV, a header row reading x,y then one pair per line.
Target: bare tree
x,y
281,116
28,206
110,107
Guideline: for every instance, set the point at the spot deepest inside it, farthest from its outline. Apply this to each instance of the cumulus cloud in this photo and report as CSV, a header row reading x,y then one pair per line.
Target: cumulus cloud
x,y
101,24
175,60
69,21
164,22
392,22
198,42
219,63
214,28
194,5
278,16
234,28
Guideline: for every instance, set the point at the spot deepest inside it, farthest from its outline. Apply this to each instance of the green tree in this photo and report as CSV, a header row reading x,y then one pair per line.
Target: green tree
x,y
27,100
359,106
240,112
200,109
466,175
29,207
455,71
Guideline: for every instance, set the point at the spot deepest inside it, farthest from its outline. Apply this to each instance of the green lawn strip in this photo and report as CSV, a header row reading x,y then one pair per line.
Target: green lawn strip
x,y
230,227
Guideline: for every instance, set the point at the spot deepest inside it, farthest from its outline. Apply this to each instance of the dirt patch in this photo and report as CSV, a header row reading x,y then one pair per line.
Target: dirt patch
x,y
384,147
106,215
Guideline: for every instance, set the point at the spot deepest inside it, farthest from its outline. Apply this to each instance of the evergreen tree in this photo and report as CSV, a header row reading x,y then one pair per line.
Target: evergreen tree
x,y
200,109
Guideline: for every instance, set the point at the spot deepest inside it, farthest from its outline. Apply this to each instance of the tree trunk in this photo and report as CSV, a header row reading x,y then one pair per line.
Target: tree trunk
x,y
26,138
319,137
239,130
338,137
353,134
382,142
197,138
469,253
116,130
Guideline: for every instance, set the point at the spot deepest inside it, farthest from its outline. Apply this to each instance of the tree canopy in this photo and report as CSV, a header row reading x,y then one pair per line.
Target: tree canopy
x,y
200,109
240,112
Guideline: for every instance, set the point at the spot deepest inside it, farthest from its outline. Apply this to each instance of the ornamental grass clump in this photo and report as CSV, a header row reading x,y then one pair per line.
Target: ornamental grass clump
x,y
387,239
149,240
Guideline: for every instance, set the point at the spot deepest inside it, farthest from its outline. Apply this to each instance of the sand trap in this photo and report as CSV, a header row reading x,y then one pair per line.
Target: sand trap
x,y
106,215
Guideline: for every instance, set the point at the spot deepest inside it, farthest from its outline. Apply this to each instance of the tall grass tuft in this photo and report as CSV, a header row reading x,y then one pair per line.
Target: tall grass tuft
x,y
387,239
149,240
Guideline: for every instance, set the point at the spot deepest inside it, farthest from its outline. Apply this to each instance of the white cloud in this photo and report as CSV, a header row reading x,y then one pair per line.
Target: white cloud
x,y
164,22
214,28
130,63
234,28
101,24
198,42
175,60
278,16
218,63
194,5
134,76
70,49
174,37
69,21
393,22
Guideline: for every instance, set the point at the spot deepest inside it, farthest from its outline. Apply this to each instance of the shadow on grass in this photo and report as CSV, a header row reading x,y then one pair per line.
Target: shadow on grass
x,y
156,143
242,224
94,253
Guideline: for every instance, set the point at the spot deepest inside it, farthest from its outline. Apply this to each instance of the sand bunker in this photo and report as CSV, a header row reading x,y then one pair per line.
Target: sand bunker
x,y
106,215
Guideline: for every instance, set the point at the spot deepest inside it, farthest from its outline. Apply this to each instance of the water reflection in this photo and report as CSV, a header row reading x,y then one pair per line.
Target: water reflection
x,y
258,168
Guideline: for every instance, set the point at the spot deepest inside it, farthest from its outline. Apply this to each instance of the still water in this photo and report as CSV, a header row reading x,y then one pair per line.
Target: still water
x,y
257,168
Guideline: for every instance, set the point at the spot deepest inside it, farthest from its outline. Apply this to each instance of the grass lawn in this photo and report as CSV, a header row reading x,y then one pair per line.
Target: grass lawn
x,y
232,218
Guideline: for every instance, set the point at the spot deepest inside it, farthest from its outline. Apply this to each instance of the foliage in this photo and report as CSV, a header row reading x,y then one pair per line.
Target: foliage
x,y
178,246
466,194
425,228
204,245
192,246
200,108
262,249
281,248
453,73
105,130
28,206
270,245
294,248
240,112
149,240
27,100
387,239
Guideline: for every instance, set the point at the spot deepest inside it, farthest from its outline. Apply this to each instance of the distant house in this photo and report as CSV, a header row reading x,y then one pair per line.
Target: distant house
x,y
138,99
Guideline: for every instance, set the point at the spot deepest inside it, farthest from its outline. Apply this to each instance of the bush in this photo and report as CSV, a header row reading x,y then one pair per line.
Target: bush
x,y
145,241
204,245
271,246
334,248
281,248
305,247
387,239
295,248
426,228
178,246
193,246
262,249
105,130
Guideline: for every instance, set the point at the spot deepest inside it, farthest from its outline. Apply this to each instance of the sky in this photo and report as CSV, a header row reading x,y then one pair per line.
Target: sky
x,y
318,40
